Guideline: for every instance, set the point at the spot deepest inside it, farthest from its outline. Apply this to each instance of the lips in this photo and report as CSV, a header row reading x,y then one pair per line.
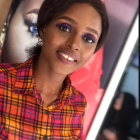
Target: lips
x,y
67,57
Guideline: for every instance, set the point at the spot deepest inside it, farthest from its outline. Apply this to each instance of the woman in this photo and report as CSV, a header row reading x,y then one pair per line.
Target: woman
x,y
37,100
23,35
119,118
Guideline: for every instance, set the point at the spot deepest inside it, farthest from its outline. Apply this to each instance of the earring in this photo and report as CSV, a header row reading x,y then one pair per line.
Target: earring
x,y
2,35
40,41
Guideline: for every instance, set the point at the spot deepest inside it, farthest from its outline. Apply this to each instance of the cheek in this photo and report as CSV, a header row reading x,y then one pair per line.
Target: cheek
x,y
86,55
51,39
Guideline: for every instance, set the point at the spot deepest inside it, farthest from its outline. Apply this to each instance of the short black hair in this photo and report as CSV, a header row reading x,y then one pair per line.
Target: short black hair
x,y
51,8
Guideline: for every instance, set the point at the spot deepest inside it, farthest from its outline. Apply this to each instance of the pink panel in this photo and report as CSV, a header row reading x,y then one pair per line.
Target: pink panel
x,y
87,80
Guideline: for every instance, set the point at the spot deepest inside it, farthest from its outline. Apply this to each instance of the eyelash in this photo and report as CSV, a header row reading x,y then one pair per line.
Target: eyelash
x,y
92,40
32,27
61,27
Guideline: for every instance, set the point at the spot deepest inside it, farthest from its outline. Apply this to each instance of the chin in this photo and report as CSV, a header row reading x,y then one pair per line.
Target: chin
x,y
63,69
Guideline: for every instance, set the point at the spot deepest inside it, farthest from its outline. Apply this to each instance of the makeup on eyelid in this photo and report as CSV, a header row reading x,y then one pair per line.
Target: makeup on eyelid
x,y
64,25
30,21
90,37
32,16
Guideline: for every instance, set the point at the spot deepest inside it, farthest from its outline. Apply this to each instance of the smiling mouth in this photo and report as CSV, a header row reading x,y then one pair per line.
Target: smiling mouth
x,y
66,57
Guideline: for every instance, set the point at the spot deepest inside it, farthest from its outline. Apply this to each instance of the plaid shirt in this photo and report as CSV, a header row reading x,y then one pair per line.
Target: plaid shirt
x,y
23,114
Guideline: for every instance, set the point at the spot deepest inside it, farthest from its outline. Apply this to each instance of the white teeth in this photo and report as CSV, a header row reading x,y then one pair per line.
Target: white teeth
x,y
66,56
70,59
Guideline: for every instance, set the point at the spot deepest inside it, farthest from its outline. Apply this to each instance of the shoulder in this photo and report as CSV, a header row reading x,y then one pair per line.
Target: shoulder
x,y
7,72
78,99
9,67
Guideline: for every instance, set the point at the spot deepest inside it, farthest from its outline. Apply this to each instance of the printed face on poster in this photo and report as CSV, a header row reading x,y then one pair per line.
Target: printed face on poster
x,y
91,79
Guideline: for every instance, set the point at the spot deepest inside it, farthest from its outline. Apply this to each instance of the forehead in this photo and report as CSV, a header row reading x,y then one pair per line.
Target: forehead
x,y
84,15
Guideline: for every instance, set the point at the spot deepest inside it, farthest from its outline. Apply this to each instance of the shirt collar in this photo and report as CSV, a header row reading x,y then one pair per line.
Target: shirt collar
x,y
24,83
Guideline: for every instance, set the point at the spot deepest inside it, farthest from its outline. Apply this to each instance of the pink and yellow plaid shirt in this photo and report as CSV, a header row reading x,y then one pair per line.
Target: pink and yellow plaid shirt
x,y
23,114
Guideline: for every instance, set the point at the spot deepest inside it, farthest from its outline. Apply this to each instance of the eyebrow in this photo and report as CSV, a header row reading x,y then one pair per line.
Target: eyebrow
x,y
36,11
92,30
75,23
69,19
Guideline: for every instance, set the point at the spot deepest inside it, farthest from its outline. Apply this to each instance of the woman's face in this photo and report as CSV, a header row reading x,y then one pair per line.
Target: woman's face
x,y
22,32
70,39
119,101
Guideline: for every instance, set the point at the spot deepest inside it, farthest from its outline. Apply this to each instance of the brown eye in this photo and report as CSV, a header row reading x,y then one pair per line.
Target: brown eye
x,y
88,40
65,29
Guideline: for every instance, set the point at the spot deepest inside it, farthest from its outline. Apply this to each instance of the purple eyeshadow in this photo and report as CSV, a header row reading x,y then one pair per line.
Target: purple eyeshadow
x,y
64,25
90,36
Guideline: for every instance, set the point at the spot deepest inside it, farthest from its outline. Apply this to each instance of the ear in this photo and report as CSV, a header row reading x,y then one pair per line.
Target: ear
x,y
42,32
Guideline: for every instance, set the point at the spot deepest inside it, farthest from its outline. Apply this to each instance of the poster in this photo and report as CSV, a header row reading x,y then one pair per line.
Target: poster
x,y
91,79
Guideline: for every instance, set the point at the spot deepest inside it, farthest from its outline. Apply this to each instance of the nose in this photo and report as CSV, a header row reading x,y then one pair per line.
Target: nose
x,y
73,42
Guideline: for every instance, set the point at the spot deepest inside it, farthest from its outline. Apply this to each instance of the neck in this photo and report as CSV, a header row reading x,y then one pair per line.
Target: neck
x,y
47,81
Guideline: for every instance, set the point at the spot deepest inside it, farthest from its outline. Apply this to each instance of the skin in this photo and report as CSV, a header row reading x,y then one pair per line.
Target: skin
x,y
111,135
119,102
49,70
20,36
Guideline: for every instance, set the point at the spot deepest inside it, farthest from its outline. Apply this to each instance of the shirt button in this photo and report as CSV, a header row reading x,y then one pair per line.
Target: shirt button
x,y
45,137
47,112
